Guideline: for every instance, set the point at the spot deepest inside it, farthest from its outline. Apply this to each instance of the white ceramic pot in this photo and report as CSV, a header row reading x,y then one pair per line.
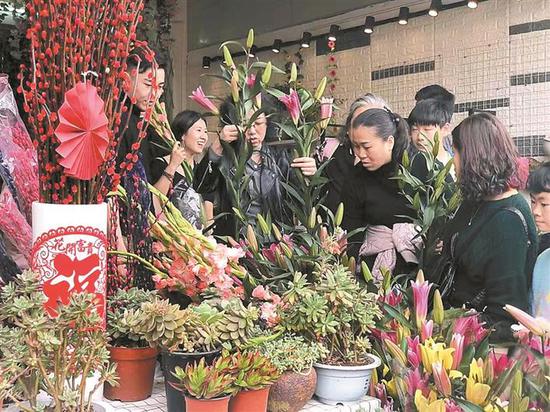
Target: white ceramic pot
x,y
342,384
70,251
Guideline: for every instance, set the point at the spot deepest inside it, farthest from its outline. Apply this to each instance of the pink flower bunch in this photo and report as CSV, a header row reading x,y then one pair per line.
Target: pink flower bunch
x,y
269,307
179,270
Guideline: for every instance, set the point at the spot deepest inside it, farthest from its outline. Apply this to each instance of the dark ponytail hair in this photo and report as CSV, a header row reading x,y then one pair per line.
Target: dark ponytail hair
x,y
183,122
386,124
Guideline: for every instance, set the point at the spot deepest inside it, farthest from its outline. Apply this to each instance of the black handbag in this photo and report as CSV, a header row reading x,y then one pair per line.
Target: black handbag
x,y
448,269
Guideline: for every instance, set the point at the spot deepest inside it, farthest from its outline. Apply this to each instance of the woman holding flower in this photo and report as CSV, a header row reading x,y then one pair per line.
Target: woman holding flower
x,y
266,168
168,174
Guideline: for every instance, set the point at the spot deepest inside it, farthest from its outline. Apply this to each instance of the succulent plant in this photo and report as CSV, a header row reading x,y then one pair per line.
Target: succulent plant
x,y
202,381
161,323
334,310
252,371
172,328
292,353
119,307
237,323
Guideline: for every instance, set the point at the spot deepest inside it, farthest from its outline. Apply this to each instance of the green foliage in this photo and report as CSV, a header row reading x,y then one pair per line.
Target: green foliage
x,y
119,307
56,354
252,371
334,310
292,353
202,381
435,199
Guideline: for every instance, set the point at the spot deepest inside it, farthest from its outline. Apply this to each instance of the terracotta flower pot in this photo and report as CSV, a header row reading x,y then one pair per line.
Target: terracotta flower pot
x,y
136,372
207,405
292,391
250,401
174,398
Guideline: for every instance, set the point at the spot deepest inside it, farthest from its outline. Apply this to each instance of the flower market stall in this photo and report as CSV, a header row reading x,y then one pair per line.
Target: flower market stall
x,y
124,304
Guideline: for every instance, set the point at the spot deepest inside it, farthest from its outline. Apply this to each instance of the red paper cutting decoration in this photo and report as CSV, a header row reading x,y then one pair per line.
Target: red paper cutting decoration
x,y
82,132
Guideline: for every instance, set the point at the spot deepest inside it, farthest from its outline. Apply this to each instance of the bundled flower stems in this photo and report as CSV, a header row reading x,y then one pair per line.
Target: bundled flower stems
x,y
187,261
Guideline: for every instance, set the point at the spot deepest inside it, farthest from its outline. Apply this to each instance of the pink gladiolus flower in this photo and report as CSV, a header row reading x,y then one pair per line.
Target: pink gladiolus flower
x,y
260,292
292,103
457,343
200,98
426,330
421,290
158,247
269,314
441,378
250,80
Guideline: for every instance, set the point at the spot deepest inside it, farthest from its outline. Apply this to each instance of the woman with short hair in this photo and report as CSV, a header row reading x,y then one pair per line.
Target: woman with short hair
x,y
492,236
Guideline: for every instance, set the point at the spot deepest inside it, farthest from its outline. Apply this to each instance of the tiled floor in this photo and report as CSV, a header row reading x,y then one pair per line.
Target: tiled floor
x,y
156,403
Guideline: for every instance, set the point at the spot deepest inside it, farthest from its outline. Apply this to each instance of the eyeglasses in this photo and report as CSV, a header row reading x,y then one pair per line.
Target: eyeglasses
x,y
259,124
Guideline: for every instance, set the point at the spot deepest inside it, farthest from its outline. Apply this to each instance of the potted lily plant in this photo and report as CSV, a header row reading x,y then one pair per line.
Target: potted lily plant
x,y
207,388
135,358
337,311
294,358
254,374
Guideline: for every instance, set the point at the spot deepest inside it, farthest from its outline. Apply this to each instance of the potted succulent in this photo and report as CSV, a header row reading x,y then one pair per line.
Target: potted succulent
x,y
338,312
207,388
129,350
253,374
183,335
294,358
56,354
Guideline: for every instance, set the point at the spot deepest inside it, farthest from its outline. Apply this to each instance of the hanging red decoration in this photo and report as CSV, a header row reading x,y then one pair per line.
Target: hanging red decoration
x,y
83,132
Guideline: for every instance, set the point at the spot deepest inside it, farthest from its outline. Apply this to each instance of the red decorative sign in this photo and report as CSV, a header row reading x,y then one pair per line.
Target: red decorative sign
x,y
71,259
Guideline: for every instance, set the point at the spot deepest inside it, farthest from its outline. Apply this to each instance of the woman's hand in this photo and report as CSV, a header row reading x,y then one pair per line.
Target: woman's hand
x,y
306,164
229,133
177,156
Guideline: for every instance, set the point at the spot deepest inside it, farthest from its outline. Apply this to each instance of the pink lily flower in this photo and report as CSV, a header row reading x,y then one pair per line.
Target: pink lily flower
x,y
250,80
441,378
471,328
413,351
292,103
538,326
326,111
421,290
457,343
414,381
426,330
200,98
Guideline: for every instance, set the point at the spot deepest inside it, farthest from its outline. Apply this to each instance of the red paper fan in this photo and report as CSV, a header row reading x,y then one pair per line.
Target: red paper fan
x,y
82,132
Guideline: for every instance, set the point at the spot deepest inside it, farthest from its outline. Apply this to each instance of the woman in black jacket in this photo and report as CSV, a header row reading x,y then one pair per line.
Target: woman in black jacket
x,y
266,168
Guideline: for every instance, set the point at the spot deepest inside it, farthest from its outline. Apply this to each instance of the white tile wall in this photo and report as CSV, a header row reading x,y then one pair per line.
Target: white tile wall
x,y
474,53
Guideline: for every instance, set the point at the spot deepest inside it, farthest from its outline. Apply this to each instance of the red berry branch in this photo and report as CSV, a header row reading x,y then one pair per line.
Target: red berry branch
x,y
69,38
